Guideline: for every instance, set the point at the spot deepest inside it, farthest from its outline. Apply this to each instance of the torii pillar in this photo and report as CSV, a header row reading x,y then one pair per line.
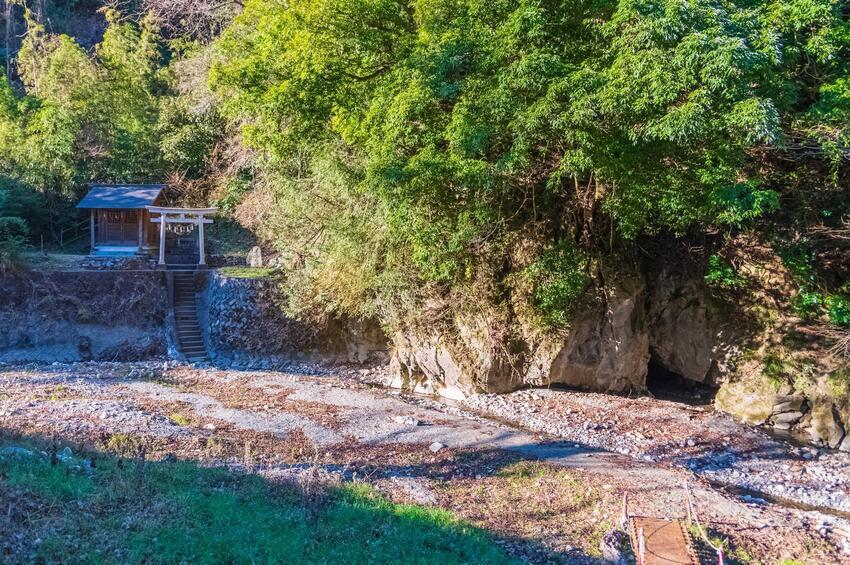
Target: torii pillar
x,y
197,216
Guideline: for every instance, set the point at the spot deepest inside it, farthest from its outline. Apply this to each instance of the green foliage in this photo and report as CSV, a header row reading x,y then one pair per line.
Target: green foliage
x,y
19,209
558,279
140,512
838,308
807,303
813,299
722,275
113,115
461,123
247,272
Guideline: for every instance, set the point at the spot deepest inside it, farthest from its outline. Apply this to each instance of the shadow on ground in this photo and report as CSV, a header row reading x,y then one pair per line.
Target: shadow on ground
x,y
96,506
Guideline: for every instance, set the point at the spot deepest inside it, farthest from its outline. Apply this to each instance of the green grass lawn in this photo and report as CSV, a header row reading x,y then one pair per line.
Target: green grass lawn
x,y
247,272
132,511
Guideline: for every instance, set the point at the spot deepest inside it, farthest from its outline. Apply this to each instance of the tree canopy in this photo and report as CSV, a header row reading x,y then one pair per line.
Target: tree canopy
x,y
467,152
471,125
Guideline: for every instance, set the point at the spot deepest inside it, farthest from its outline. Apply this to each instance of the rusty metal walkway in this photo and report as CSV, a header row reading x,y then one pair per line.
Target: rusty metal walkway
x,y
661,542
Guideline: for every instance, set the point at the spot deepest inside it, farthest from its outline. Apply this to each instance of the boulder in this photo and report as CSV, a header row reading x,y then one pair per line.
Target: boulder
x,y
751,402
826,424
787,417
254,257
788,404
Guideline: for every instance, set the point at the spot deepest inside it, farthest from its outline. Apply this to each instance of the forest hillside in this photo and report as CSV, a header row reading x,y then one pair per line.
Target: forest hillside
x,y
592,193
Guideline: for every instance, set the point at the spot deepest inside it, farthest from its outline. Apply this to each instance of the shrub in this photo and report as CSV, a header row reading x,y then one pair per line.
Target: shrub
x,y
808,303
13,232
558,279
839,310
722,275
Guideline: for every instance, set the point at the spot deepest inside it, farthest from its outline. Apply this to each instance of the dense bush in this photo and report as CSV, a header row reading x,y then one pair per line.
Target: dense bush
x,y
462,154
17,206
459,124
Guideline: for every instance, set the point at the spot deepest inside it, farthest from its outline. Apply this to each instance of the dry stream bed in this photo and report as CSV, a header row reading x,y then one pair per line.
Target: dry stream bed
x,y
543,470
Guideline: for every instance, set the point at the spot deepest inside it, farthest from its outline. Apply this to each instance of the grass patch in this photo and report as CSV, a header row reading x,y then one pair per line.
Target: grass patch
x,y
133,511
247,272
536,501
180,419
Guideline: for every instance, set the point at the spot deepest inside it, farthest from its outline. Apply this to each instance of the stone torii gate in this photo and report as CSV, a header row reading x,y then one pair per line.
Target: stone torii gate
x,y
195,216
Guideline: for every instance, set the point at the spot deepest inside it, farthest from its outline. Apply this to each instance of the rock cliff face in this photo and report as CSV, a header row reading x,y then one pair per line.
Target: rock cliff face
x,y
245,325
676,321
606,349
80,316
690,336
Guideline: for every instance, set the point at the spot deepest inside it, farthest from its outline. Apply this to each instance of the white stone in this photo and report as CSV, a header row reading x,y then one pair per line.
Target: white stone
x,y
254,257
436,446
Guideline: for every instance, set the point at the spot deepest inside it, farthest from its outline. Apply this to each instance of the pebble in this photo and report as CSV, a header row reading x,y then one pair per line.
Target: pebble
x,y
746,459
406,420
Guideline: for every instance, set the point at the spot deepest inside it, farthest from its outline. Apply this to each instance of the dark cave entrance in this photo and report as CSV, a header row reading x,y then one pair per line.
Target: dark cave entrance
x,y
667,385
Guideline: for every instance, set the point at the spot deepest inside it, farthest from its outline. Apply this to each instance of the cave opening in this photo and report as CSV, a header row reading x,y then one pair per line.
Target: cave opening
x,y
667,385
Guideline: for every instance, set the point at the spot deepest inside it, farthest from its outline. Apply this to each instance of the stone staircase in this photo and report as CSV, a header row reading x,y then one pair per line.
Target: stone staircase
x,y
189,337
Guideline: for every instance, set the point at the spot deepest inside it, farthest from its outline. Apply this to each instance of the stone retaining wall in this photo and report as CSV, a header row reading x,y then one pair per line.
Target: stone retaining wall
x,y
74,316
245,325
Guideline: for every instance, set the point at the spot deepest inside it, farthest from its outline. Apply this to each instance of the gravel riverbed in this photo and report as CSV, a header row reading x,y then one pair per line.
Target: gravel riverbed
x,y
344,419
709,443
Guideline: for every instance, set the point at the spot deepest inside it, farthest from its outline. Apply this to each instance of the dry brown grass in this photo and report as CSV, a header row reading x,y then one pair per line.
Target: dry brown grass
x,y
244,396
563,509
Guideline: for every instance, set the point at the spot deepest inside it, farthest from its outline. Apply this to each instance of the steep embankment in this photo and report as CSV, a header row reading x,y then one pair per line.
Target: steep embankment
x,y
73,316
663,325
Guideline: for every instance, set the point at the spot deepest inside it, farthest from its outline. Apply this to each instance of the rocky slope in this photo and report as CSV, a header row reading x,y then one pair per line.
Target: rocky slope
x,y
246,325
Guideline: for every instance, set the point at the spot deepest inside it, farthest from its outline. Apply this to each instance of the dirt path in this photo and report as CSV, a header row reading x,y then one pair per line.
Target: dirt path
x,y
416,451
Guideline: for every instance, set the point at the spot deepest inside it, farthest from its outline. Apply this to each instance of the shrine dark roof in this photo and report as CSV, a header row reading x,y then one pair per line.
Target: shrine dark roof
x,y
121,196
